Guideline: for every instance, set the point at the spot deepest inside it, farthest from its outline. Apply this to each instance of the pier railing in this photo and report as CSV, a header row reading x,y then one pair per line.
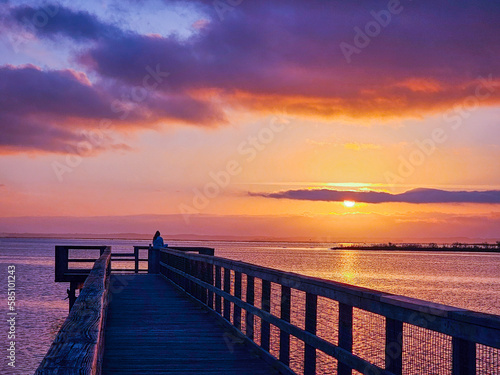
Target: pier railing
x,y
78,347
314,326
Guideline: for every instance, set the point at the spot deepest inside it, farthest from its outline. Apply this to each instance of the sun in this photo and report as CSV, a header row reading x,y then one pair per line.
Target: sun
x,y
349,203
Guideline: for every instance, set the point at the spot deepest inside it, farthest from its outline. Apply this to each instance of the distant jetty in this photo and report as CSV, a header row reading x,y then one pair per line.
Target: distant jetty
x,y
470,247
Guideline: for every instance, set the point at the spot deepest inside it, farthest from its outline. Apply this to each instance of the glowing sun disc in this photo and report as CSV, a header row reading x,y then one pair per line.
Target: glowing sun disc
x,y
349,203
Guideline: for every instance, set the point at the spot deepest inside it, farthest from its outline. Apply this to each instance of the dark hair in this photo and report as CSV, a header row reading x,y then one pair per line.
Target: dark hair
x,y
157,234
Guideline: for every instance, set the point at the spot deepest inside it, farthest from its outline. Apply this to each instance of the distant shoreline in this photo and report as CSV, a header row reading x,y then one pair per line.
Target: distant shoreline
x,y
473,248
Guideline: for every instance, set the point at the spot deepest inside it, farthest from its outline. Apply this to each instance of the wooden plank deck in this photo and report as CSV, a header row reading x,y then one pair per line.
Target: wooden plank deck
x,y
153,328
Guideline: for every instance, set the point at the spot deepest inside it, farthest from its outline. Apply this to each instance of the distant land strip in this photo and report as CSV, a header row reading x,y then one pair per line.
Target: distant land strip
x,y
479,247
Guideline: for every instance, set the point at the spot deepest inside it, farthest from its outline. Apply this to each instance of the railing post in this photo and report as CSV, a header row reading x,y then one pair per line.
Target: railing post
x,y
227,289
185,268
345,335
265,327
202,276
310,325
153,260
190,287
286,295
237,294
196,273
394,346
464,356
249,321
136,258
61,260
218,299
210,279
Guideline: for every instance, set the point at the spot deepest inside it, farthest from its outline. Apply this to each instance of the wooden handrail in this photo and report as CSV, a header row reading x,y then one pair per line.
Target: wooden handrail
x,y
78,346
195,274
449,320
325,346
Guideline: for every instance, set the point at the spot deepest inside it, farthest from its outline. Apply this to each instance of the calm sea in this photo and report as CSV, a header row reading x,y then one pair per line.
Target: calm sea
x,y
460,279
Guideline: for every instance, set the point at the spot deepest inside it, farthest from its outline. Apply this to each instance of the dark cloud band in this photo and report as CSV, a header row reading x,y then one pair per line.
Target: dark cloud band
x,y
411,196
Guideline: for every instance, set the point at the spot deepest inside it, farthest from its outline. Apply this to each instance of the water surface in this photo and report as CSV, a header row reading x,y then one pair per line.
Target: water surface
x,y
467,280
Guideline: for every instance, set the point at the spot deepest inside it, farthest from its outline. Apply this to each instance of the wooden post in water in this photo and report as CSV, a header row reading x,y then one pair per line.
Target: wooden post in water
x,y
73,286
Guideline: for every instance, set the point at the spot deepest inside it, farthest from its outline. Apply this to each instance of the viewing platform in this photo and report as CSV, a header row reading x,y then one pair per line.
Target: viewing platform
x,y
191,312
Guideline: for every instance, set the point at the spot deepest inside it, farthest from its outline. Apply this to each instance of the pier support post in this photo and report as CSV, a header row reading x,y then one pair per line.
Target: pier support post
x,y
73,286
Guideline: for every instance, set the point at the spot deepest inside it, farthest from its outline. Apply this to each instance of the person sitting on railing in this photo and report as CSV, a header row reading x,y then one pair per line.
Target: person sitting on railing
x,y
158,240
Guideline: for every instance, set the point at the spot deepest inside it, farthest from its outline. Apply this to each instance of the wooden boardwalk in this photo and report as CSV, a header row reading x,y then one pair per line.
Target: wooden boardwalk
x,y
152,328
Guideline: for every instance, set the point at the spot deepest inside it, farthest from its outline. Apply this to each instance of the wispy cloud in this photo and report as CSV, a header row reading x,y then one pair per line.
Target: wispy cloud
x,y
411,196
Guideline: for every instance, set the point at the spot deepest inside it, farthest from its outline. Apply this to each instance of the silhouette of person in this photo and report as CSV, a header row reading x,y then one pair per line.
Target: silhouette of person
x,y
158,240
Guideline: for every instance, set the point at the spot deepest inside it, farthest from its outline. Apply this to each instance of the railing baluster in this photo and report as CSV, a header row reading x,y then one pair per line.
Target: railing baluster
x,y
136,259
394,346
210,280
227,288
285,315
192,285
185,268
196,273
265,327
218,299
237,294
464,357
203,276
345,335
250,299
310,325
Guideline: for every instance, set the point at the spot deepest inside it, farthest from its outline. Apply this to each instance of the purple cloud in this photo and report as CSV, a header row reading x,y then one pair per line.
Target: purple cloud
x,y
290,51
412,196
262,55
47,110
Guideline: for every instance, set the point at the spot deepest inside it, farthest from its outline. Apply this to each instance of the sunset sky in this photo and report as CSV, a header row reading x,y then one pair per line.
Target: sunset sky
x,y
251,118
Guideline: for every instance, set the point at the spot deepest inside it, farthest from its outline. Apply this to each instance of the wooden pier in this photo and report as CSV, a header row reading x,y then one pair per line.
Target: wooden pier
x,y
153,328
194,313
